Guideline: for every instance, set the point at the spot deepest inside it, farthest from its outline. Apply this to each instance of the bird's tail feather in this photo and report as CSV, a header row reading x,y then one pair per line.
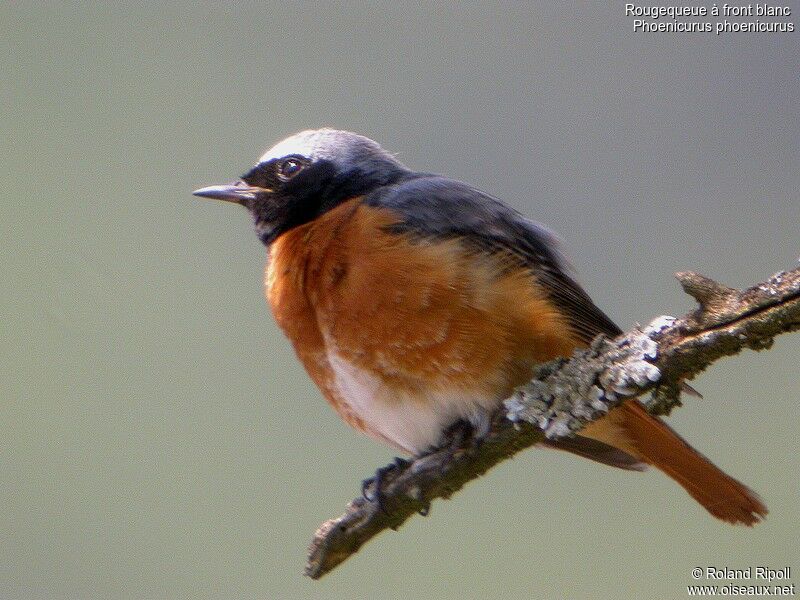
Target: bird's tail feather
x,y
654,442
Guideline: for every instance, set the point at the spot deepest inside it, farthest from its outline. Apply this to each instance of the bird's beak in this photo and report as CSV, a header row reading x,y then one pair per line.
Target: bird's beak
x,y
238,192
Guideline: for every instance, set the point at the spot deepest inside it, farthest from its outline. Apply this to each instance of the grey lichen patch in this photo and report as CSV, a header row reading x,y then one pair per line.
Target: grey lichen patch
x,y
565,396
772,285
659,324
415,493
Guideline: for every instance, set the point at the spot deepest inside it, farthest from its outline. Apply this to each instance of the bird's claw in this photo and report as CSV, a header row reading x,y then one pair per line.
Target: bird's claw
x,y
376,483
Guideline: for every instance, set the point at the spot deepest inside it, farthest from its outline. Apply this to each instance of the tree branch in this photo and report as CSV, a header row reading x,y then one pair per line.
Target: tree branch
x,y
565,395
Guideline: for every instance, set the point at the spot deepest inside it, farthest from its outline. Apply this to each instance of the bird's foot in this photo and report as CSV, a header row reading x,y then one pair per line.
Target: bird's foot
x,y
475,429
372,488
456,435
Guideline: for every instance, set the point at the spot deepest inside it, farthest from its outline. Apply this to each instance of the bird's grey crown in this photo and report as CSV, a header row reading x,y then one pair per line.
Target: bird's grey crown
x,y
343,148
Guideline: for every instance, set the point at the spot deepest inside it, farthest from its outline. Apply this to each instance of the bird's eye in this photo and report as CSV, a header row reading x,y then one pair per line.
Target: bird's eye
x,y
290,167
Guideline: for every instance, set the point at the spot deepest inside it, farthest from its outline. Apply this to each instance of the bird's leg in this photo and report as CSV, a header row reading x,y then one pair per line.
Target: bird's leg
x,y
455,435
481,423
475,428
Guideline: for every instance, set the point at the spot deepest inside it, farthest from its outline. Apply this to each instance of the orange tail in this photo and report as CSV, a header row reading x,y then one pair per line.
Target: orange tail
x,y
632,429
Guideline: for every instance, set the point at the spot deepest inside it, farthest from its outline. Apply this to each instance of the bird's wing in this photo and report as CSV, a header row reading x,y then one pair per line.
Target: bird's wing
x,y
434,207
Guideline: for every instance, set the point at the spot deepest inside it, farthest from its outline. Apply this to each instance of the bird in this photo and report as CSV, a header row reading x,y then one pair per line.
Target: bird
x,y
416,302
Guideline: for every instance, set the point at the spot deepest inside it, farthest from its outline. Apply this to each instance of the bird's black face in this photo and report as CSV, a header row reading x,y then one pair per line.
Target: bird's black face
x,y
290,192
306,175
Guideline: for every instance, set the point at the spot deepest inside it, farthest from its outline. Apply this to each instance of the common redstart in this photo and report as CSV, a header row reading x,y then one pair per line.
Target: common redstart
x,y
415,301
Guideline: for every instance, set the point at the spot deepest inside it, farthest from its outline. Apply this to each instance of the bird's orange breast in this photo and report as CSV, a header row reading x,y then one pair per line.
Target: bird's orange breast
x,y
414,322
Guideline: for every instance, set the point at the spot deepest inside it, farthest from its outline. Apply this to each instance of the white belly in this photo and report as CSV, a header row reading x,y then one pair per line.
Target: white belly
x,y
413,423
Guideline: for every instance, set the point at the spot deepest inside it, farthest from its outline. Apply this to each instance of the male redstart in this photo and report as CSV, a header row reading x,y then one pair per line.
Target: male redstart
x,y
415,301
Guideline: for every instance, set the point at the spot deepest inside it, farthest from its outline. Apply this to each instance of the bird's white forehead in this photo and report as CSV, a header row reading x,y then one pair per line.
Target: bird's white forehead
x,y
331,144
303,143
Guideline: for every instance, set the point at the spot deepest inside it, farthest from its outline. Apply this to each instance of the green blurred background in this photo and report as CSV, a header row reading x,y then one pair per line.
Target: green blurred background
x,y
159,439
